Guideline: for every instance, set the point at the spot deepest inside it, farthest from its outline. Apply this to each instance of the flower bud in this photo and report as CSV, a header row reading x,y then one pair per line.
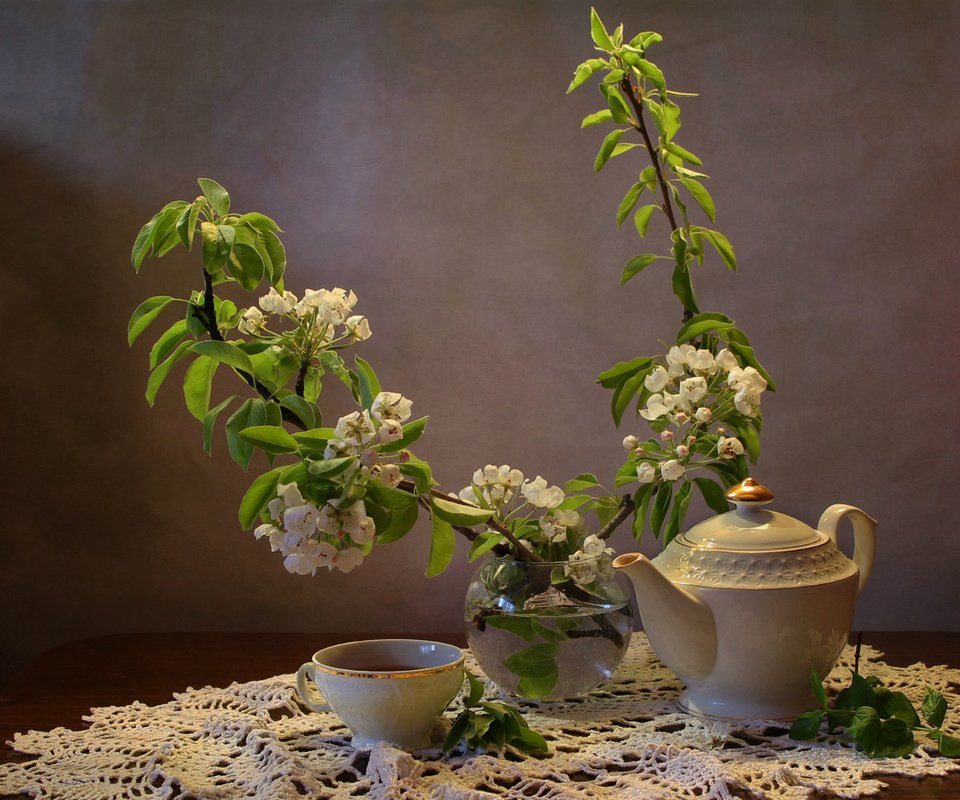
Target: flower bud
x,y
404,456
630,442
681,417
667,436
682,451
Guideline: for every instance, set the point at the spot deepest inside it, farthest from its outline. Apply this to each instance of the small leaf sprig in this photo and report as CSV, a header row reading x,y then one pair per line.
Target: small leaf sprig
x,y
491,726
881,721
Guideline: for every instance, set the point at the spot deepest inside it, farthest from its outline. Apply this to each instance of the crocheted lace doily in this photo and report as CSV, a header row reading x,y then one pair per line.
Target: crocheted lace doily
x,y
624,740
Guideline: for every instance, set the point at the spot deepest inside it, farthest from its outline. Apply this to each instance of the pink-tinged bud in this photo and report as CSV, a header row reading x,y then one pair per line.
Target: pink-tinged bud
x,y
681,417
667,436
682,451
639,451
404,456
691,440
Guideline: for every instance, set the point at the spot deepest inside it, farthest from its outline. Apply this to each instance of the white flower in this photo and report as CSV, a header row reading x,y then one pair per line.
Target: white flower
x,y
367,530
252,320
703,414
391,476
630,442
337,448
646,472
701,361
310,555
290,494
657,379
677,359
726,360
729,448
345,560
554,526
593,546
671,470
656,407
391,405
584,566
358,327
747,377
301,520
538,494
747,401
693,390
390,431
275,303
682,451
267,530
355,428
344,521
332,307
469,495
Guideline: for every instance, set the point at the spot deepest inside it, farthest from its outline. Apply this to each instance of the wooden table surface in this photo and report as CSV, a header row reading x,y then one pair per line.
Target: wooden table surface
x,y
62,684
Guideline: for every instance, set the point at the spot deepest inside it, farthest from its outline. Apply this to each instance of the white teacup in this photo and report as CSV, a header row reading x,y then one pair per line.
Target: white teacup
x,y
389,690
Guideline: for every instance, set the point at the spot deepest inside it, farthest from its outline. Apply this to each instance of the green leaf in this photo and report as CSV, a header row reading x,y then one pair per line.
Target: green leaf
x,y
934,708
314,440
896,704
609,379
411,432
513,623
670,118
216,195
628,202
369,385
210,419
225,352
606,148
686,155
483,544
624,393
652,73
260,221
329,467
896,739
141,245
858,693
403,511
159,374
584,71
261,492
537,668
585,481
277,256
683,288
660,505
641,220
751,440
216,247
618,108
187,224
817,685
144,314
636,265
305,411
681,501
476,689
865,729
457,513
246,265
270,438
250,413
713,495
167,342
722,245
702,196
641,501
948,746
697,327
598,33
807,725
196,386
594,119
442,542
420,472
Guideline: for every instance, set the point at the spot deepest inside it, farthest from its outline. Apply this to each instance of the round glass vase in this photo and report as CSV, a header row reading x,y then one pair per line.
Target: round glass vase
x,y
548,630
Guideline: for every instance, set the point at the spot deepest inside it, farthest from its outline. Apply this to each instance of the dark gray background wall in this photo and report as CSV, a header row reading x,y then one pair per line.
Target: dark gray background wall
x,y
424,154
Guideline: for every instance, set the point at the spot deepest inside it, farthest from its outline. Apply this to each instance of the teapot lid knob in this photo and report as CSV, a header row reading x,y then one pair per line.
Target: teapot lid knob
x,y
749,491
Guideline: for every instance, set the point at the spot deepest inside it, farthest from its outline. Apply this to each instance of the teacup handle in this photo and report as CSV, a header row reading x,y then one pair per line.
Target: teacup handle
x,y
304,691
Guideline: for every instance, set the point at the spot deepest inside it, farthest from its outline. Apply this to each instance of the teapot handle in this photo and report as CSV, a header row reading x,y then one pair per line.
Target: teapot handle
x,y
864,536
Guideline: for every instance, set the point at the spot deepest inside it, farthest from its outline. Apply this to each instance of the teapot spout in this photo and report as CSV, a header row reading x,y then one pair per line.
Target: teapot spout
x,y
680,626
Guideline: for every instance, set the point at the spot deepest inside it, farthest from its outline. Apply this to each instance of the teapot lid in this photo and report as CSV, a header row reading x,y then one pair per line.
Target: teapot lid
x,y
751,528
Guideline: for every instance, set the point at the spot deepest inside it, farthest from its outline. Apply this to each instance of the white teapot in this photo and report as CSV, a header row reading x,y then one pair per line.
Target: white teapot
x,y
745,604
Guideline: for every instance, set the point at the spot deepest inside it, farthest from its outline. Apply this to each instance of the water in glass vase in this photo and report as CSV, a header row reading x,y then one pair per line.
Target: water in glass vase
x,y
540,636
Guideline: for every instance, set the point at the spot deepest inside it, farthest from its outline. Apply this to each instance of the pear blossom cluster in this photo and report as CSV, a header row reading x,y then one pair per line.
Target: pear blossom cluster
x,y
516,501
590,562
691,394
325,315
337,533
